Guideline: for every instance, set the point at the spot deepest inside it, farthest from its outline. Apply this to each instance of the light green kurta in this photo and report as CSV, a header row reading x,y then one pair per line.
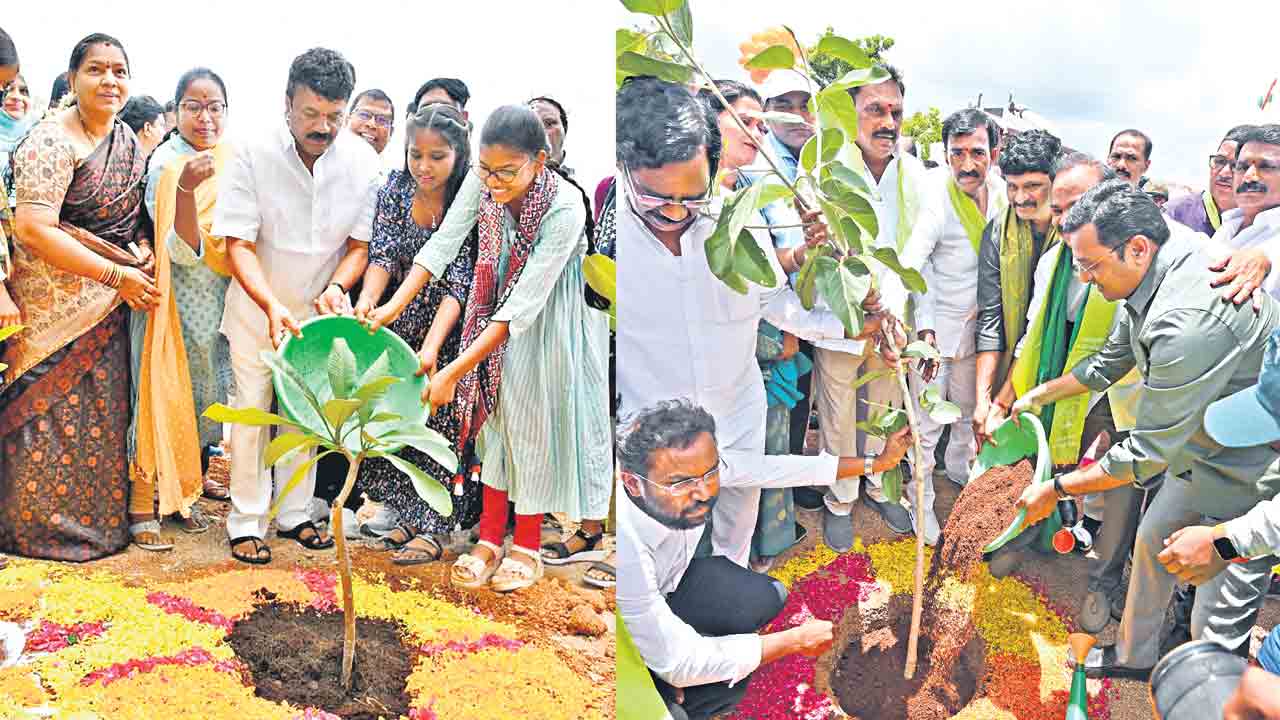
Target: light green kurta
x,y
548,442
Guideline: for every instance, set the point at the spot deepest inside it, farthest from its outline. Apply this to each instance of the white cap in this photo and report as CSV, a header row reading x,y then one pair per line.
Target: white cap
x,y
781,82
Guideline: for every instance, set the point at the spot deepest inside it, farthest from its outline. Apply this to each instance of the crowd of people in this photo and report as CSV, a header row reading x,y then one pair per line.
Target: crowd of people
x,y
1058,284
150,262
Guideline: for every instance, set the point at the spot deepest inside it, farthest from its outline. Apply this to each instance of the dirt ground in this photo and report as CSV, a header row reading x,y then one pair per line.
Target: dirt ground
x,y
1065,578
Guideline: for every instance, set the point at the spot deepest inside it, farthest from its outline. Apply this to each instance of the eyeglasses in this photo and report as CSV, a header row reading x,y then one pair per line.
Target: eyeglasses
x,y
506,176
1217,162
382,121
686,486
194,107
1079,269
648,203
1262,166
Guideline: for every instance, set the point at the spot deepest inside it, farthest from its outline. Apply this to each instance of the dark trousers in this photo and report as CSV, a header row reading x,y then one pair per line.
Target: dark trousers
x,y
718,598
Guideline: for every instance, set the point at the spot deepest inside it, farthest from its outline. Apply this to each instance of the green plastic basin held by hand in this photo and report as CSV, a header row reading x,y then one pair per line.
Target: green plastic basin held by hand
x,y
309,355
1013,442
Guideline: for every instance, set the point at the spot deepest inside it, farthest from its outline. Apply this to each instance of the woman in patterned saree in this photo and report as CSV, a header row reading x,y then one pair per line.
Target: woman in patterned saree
x,y
411,205
79,253
531,382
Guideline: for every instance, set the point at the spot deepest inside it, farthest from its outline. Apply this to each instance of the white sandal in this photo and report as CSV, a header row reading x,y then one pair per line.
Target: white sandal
x,y
479,570
513,574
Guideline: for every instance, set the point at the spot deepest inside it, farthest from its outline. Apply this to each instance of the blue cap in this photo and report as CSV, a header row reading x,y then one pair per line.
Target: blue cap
x,y
1251,416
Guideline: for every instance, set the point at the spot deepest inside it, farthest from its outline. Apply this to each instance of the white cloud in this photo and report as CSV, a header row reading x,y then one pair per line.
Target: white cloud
x,y
505,51
1184,73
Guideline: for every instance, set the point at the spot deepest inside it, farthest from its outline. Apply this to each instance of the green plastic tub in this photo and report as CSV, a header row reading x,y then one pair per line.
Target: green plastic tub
x,y
1013,443
309,355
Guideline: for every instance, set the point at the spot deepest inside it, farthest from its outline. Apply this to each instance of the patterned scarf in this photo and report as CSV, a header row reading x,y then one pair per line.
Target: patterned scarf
x,y
477,394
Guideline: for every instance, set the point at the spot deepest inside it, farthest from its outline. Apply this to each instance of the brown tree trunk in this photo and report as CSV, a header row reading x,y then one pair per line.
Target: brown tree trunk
x,y
917,601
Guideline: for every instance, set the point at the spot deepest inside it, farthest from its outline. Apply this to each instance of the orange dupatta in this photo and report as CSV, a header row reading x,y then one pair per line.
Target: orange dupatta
x,y
168,444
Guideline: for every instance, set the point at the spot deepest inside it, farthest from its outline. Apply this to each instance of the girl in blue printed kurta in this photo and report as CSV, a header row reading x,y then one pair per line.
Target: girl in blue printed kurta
x,y
410,206
531,380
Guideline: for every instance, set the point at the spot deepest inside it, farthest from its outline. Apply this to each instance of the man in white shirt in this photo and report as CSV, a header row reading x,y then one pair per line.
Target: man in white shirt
x,y
373,117
944,247
295,206
840,362
1254,224
681,331
697,620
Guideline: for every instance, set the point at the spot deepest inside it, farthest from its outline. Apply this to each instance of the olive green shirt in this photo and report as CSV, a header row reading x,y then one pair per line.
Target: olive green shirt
x,y
1192,348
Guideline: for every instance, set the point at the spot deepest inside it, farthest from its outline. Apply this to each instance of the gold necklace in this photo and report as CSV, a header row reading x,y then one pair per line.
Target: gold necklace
x,y
85,129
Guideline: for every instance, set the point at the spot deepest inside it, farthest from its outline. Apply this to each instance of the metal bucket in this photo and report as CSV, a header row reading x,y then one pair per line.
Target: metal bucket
x,y
1194,681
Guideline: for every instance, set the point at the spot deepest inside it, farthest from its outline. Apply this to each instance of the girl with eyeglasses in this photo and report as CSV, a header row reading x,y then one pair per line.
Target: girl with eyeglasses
x,y
181,362
530,384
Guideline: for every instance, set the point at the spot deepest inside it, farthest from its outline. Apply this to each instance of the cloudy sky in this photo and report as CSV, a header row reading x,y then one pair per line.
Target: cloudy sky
x,y
506,51
1184,72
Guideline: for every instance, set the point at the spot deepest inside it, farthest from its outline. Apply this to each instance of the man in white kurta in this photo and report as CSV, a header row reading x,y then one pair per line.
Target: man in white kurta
x,y
299,197
940,247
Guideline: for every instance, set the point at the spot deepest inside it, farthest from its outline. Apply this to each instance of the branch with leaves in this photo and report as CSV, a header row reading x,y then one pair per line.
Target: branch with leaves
x,y
829,178
345,423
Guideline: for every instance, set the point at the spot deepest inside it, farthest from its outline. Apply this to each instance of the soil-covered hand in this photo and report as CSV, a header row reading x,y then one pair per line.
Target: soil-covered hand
x,y
812,638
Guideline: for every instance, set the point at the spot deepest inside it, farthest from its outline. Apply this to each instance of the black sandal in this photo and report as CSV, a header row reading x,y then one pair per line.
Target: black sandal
x,y
313,541
558,553
258,546
389,543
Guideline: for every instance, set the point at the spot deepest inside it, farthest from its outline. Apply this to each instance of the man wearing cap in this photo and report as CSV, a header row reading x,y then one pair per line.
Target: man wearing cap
x,y
840,362
1192,349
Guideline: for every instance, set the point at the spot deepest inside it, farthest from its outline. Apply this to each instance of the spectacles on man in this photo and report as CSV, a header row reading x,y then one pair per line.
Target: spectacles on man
x,y
1263,166
1217,162
687,485
645,203
382,121
1079,269
195,107
506,176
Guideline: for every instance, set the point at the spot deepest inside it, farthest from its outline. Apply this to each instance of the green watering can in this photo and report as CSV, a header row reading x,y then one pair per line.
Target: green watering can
x,y
1014,442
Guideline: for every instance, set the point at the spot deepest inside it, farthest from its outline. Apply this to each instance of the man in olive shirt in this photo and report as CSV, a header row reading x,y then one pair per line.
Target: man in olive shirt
x,y
1192,348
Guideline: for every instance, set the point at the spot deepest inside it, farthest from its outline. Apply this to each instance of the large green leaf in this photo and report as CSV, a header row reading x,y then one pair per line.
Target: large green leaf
x,y
427,441
652,7
337,410
429,489
719,247
744,209
870,377
833,213
735,282
750,261
771,192
844,49
377,369
844,285
373,390
852,234
8,330
832,141
218,412
853,204
774,57
911,277
628,40
682,22
860,77
806,280
835,109
922,350
342,368
809,154
854,181
891,483
944,412
296,478
286,443
633,63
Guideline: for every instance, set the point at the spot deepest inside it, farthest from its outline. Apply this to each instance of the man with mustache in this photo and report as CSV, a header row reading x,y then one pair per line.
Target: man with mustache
x,y
696,620
944,246
682,332
1250,231
295,206
1191,349
839,363
1202,211
1130,156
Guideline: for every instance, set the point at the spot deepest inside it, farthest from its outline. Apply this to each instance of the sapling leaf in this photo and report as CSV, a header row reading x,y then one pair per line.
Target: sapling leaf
x,y
298,474
429,489
285,444
342,368
923,350
774,57
944,412
218,412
